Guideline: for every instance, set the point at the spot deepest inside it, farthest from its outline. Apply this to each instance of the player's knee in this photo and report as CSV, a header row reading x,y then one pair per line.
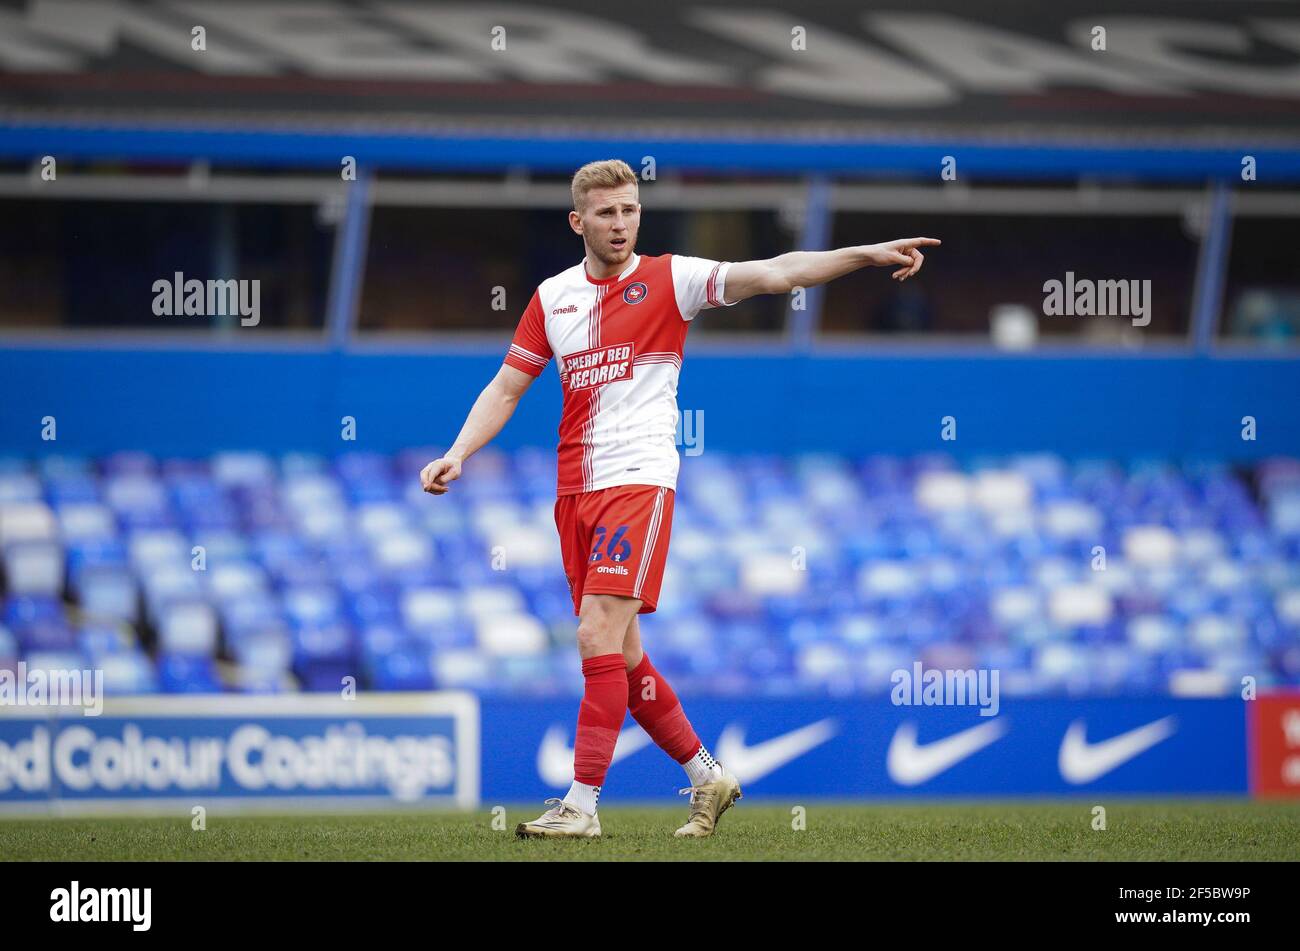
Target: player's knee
x,y
595,638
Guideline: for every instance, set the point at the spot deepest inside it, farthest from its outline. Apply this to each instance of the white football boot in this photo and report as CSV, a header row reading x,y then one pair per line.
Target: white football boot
x,y
708,802
561,821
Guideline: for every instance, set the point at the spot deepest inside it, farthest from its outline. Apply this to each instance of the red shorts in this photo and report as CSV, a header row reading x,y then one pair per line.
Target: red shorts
x,y
615,541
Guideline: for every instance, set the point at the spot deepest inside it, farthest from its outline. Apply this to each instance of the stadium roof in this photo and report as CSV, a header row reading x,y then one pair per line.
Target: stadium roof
x,y
1179,86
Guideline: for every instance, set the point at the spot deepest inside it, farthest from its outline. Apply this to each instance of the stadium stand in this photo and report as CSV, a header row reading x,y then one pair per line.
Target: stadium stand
x,y
812,574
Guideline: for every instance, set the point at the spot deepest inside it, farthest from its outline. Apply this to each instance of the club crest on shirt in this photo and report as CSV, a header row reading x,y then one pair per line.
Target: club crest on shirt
x,y
596,367
635,293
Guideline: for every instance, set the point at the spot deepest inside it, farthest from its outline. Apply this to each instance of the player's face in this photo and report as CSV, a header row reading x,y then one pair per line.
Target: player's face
x,y
609,223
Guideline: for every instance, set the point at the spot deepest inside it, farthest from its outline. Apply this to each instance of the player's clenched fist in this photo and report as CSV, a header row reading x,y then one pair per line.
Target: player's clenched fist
x,y
435,476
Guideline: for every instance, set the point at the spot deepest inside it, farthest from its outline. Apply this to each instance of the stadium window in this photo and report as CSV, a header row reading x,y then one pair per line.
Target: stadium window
x,y
432,269
1261,301
730,235
437,269
993,268
93,265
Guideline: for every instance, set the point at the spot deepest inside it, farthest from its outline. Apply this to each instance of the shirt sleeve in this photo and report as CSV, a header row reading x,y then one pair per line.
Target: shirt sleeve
x,y
530,351
699,283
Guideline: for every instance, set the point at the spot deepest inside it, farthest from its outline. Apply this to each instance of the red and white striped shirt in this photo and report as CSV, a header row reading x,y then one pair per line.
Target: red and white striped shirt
x,y
618,348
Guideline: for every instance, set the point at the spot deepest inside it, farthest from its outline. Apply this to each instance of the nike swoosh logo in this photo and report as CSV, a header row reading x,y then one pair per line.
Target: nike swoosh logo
x,y
1082,762
555,755
910,764
751,763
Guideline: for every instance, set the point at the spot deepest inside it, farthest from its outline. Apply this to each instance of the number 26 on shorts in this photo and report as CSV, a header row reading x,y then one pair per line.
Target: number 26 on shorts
x,y
617,549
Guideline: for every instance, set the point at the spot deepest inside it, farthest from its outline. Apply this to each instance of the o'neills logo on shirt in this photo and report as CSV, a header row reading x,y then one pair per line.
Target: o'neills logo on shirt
x,y
588,368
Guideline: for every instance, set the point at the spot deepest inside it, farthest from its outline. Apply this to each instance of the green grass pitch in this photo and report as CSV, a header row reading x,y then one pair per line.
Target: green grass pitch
x,y
1135,830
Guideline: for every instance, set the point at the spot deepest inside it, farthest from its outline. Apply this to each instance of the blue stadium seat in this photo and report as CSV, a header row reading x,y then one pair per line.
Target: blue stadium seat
x,y
809,574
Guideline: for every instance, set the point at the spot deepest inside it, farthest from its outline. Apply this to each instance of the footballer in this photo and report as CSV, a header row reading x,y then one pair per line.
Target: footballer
x,y
615,324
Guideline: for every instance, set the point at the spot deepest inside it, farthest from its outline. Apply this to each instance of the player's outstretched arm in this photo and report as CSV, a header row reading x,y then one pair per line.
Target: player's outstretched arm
x,y
783,273
494,406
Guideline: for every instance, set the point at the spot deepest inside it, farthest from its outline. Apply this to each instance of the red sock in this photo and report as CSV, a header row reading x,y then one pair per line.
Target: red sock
x,y
604,703
657,709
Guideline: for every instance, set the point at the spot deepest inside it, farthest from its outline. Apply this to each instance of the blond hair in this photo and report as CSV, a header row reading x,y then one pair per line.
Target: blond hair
x,y
608,173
